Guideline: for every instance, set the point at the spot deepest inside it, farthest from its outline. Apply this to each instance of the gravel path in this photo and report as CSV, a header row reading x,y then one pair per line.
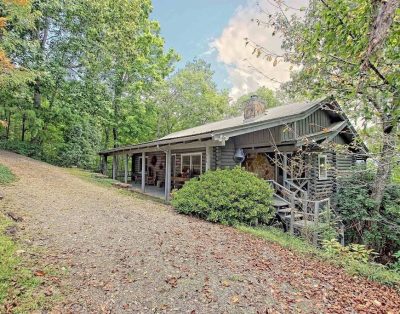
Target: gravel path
x,y
129,255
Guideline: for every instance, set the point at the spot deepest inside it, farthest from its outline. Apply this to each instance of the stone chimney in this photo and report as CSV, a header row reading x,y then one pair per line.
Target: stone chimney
x,y
254,108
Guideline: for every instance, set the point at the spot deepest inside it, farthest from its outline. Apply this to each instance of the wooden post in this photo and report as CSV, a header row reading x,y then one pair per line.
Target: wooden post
x,y
114,167
315,225
208,157
167,175
284,169
126,168
105,169
133,169
292,208
342,233
143,172
101,166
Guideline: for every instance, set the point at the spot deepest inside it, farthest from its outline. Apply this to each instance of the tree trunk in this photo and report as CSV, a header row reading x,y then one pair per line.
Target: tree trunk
x,y
107,137
23,127
384,171
8,126
115,136
37,97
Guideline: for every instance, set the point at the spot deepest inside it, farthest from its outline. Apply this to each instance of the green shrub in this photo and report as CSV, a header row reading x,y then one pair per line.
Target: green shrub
x,y
353,251
23,148
230,196
376,229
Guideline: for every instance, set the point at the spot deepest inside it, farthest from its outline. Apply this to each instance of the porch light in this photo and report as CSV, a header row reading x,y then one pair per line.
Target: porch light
x,y
239,156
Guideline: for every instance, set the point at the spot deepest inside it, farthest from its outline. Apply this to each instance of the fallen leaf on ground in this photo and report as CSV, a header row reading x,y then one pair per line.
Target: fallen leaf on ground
x,y
172,281
235,299
39,273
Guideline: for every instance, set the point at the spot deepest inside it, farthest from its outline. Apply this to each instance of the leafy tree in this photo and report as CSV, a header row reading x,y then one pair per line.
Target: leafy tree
x,y
190,98
267,95
348,49
356,208
92,64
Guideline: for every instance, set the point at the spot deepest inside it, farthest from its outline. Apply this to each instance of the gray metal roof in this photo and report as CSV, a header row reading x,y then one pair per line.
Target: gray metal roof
x,y
269,115
209,129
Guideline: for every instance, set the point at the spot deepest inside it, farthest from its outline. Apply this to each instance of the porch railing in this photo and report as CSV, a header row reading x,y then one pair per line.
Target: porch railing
x,y
311,211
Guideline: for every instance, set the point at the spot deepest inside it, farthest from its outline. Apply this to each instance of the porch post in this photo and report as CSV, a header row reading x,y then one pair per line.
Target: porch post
x,y
114,167
101,166
143,172
284,168
104,164
167,174
126,168
208,157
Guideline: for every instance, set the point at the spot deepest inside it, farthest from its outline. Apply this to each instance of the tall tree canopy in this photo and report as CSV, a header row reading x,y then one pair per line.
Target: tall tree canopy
x,y
92,64
349,49
190,98
266,94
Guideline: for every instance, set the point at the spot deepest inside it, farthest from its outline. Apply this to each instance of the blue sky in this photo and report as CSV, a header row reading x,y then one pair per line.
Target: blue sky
x,y
215,30
189,26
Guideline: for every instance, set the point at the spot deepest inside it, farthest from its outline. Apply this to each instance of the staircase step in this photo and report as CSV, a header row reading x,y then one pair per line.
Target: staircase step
x,y
277,202
296,216
303,223
284,210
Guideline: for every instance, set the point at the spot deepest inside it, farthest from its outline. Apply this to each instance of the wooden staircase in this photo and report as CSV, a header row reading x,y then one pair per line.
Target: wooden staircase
x,y
285,211
296,211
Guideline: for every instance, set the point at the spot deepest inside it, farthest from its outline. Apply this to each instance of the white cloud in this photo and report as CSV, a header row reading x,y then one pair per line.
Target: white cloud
x,y
246,71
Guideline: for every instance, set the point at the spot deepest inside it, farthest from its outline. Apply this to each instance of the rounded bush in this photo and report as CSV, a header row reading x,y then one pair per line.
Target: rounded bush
x,y
231,196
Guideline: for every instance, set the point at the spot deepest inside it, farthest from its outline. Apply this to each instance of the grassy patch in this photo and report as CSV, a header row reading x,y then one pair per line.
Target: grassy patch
x,y
91,176
371,271
17,282
6,176
107,182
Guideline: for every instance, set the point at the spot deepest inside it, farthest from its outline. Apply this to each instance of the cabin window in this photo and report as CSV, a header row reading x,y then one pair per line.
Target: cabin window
x,y
191,164
322,167
140,164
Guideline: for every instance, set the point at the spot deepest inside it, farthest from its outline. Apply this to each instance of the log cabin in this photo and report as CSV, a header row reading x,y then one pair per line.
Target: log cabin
x,y
297,147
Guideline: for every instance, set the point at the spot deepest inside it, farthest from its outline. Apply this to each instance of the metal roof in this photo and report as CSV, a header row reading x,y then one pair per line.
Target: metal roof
x,y
209,129
270,114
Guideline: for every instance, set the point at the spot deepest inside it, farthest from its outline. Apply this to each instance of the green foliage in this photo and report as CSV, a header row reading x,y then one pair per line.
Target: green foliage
x,y
264,93
6,176
353,251
343,49
230,196
396,265
378,230
190,98
92,67
16,282
284,239
372,271
396,174
24,148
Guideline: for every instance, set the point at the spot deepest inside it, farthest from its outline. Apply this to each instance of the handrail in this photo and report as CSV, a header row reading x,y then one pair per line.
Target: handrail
x,y
279,185
300,182
292,196
303,194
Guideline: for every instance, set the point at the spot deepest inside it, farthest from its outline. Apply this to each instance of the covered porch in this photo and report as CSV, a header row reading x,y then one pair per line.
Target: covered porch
x,y
155,169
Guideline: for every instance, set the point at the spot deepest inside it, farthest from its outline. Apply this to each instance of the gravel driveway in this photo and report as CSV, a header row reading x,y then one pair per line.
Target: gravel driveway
x,y
128,255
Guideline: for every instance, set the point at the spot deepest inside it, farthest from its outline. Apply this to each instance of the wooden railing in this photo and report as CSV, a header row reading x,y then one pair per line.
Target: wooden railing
x,y
299,192
283,191
311,210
